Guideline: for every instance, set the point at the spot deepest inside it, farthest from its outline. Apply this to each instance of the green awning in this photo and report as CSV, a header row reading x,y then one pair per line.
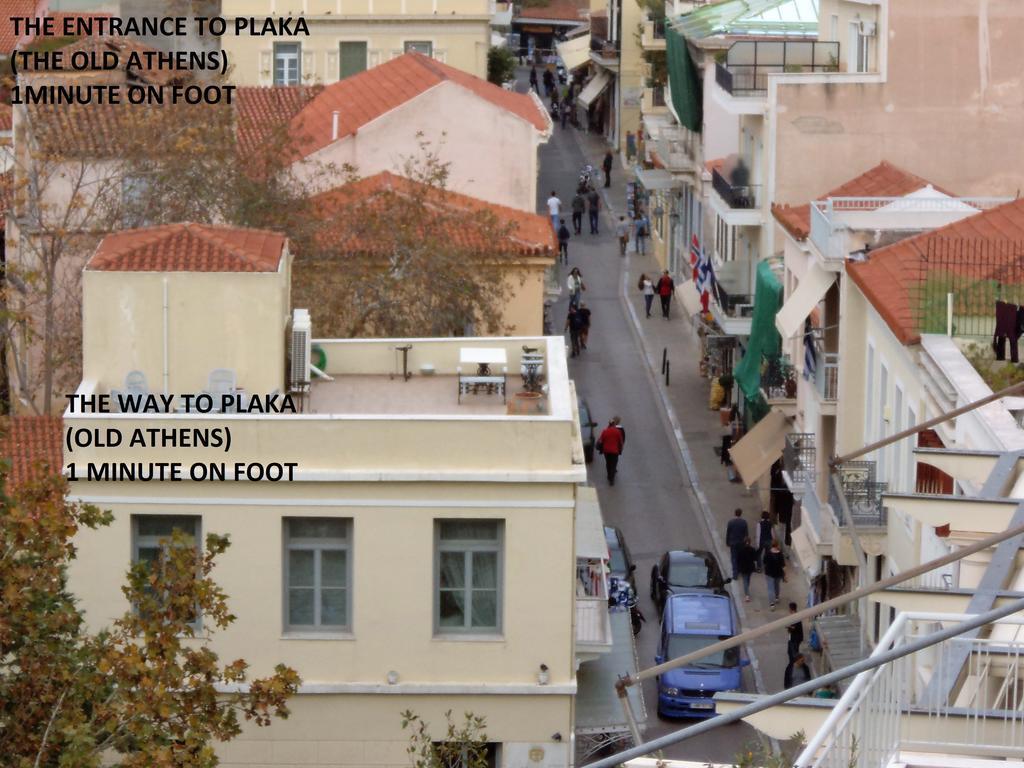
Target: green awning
x,y
684,82
764,337
751,17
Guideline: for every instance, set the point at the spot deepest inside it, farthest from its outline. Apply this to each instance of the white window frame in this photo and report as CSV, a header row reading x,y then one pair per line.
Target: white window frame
x,y
898,448
318,546
280,55
150,541
407,43
883,425
467,547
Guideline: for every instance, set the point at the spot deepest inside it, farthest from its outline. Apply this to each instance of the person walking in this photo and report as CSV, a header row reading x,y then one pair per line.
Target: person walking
x,y
594,207
575,286
607,166
666,288
584,313
622,232
736,534
746,561
774,573
563,242
579,205
574,324
617,421
554,209
610,443
642,231
646,287
796,635
549,82
533,79
765,536
797,672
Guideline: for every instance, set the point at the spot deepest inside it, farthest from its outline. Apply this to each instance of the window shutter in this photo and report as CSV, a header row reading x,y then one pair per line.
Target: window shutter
x,y
308,73
332,67
266,72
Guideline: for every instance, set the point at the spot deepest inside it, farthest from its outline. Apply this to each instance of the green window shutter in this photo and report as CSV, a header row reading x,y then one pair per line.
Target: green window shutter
x,y
684,81
353,59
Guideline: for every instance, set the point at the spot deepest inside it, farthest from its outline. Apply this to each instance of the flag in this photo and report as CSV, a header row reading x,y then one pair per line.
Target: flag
x,y
704,276
694,256
810,352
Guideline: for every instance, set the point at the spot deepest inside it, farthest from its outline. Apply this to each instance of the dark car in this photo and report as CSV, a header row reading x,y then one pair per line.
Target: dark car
x,y
620,563
587,425
680,571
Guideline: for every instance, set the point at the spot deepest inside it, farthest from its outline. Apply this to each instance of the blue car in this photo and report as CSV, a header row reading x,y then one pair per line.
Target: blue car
x,y
691,622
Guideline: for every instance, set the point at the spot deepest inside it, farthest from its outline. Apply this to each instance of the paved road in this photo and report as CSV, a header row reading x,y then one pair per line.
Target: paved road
x,y
650,500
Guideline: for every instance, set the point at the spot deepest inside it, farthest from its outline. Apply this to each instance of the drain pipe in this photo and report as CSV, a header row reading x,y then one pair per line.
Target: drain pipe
x,y
166,352
767,702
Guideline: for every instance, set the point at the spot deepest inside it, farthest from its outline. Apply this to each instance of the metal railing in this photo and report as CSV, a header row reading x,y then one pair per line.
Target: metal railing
x,y
735,304
883,711
749,62
862,493
778,377
798,458
826,375
658,95
676,145
742,196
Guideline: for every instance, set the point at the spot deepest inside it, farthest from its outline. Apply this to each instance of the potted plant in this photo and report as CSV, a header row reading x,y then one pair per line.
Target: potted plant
x,y
725,411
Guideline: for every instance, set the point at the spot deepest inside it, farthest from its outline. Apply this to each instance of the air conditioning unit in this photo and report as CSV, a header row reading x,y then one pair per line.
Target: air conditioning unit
x,y
300,349
867,28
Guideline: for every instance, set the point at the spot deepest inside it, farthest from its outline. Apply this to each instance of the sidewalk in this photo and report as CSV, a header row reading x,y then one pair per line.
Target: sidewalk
x,y
697,432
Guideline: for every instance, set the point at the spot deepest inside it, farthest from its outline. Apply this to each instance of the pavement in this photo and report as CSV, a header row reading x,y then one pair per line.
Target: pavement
x,y
672,491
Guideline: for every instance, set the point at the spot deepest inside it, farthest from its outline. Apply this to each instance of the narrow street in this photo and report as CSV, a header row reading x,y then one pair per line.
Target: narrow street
x,y
651,500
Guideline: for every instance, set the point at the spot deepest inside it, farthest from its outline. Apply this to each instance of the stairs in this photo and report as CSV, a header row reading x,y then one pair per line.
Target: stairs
x,y
840,642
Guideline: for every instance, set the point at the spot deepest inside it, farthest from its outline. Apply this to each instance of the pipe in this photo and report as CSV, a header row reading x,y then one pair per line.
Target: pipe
x,y
949,314
335,118
166,354
767,702
815,610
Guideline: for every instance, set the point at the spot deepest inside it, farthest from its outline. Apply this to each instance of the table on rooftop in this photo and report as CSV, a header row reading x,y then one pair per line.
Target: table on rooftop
x,y
483,357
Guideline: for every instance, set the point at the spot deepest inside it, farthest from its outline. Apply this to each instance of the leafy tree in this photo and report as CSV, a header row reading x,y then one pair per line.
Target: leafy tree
x,y
140,693
501,64
463,745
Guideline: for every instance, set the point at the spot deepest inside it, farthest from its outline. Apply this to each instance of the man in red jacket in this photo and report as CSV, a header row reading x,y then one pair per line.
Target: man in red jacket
x,y
612,439
665,288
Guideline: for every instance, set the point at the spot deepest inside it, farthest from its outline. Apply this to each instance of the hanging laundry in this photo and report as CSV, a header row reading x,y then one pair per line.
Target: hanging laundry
x,y
1007,327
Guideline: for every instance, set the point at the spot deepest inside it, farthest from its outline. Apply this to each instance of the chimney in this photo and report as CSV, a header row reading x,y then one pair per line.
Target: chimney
x,y
335,116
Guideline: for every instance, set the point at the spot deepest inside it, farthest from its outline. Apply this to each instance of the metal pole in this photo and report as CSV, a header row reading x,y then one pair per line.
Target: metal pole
x,y
820,608
634,729
668,370
664,358
766,702
1010,390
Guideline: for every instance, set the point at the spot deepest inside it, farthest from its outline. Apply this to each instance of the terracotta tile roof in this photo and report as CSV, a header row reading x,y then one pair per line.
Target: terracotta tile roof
x,y
124,47
260,110
6,117
884,180
890,275
531,235
558,10
364,97
8,40
6,196
189,248
33,445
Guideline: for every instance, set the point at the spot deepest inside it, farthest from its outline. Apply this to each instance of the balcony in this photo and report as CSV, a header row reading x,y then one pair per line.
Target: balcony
x,y
604,52
733,311
737,204
799,455
861,503
779,382
744,73
674,145
652,38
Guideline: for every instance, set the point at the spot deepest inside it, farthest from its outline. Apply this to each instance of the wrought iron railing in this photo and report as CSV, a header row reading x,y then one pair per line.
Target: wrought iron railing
x,y
798,458
778,377
749,62
675,145
658,95
862,494
742,196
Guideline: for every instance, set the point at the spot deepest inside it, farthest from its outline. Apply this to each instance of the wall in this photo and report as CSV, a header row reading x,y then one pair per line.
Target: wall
x,y
721,135
630,79
952,118
215,320
492,153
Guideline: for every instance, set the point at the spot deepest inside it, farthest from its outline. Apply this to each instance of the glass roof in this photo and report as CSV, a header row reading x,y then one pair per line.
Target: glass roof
x,y
751,17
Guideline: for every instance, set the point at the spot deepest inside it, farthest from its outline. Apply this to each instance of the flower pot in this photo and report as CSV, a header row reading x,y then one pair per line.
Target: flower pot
x,y
942,531
725,415
527,403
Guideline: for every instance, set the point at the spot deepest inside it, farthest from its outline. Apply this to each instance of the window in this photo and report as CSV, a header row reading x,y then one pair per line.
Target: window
x,y
317,574
426,47
468,569
287,69
151,535
869,398
834,27
352,58
860,48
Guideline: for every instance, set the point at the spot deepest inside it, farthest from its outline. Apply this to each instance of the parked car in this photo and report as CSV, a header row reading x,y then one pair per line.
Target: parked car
x,y
691,622
680,571
620,563
587,425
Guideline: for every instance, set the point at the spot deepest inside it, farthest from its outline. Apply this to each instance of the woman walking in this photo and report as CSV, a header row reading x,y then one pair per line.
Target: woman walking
x,y
575,286
745,562
774,573
647,289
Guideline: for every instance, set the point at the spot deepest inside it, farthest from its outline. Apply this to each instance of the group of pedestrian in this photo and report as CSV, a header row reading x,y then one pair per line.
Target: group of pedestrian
x,y
610,444
767,557
636,229
664,289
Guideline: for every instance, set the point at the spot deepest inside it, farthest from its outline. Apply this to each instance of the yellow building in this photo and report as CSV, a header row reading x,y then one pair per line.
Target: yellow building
x,y
349,36
422,555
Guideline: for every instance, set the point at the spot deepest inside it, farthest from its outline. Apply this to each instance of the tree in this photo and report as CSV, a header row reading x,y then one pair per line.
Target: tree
x,y
463,746
136,694
401,256
501,65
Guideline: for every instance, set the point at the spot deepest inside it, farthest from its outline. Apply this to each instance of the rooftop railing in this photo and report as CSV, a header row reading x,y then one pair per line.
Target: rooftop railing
x,y
749,62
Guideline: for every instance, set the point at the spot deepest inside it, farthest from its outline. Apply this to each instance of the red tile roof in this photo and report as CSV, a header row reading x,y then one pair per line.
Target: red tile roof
x,y
33,445
124,47
558,10
259,111
189,248
890,276
884,180
531,233
6,117
8,40
365,97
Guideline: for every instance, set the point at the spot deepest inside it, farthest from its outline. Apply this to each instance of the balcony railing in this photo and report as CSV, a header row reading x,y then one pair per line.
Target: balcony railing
x,y
749,62
674,145
742,196
778,377
658,95
862,494
826,376
735,304
798,458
